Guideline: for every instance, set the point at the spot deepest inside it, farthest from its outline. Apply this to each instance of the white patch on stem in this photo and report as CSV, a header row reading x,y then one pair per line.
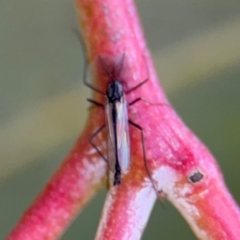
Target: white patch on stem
x,y
167,181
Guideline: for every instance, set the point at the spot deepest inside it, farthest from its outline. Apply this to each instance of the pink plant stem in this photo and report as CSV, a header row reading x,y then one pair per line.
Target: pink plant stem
x,y
181,168
71,187
174,153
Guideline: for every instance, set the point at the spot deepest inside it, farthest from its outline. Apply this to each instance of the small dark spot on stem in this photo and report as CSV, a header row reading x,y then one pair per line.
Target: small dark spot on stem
x,y
195,177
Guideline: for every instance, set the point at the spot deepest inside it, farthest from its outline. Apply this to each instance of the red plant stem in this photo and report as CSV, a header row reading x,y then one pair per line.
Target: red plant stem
x,y
71,187
174,154
181,168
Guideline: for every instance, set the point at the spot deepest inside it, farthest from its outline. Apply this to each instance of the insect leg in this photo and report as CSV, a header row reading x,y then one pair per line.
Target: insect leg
x,y
87,83
137,86
134,101
144,153
94,145
78,35
144,100
98,104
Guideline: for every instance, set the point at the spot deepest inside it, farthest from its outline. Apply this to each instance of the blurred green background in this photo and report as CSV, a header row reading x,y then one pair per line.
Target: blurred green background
x,y
196,48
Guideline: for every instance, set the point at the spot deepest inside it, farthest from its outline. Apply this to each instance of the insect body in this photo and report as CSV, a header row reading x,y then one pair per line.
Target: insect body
x,y
117,129
116,122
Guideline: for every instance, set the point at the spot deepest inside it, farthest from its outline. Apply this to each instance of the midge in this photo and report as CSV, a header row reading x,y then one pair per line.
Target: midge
x,y
116,119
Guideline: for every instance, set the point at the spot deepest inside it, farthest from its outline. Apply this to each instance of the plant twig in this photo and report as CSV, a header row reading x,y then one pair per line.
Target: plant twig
x,y
180,166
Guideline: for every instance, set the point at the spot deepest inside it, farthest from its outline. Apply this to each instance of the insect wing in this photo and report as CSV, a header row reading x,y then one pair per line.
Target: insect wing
x,y
123,135
111,148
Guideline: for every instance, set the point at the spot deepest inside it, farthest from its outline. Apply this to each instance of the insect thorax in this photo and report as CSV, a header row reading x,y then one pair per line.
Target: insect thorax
x,y
114,91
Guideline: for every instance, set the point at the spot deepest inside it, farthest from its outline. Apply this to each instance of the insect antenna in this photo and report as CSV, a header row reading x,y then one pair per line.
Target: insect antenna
x,y
115,70
120,65
110,75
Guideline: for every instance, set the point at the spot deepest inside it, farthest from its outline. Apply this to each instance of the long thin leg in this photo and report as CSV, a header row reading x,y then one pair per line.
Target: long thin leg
x,y
94,145
144,153
98,104
141,83
78,35
85,80
144,100
137,86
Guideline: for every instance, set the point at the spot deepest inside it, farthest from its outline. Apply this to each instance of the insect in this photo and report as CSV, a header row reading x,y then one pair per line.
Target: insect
x,y
116,120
